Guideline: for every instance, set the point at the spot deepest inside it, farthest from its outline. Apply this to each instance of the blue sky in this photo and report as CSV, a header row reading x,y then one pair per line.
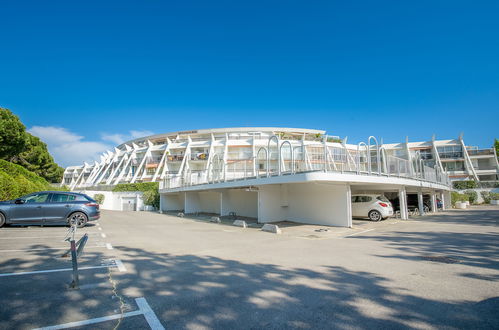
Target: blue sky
x,y
86,74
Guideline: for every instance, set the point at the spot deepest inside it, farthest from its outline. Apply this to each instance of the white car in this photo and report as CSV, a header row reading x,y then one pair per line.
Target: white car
x,y
373,206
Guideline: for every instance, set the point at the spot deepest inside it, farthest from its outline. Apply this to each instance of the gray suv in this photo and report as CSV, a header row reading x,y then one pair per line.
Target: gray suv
x,y
50,207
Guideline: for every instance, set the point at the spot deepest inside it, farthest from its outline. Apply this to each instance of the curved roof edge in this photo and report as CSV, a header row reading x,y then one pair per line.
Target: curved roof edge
x,y
226,130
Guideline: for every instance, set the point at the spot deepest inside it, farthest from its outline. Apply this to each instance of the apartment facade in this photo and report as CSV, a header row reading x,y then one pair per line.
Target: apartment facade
x,y
196,156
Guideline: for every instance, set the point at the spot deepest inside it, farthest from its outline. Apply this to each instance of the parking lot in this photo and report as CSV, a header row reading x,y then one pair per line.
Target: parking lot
x,y
150,270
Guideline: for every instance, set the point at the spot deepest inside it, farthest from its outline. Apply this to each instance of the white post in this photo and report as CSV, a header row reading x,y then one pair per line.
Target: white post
x,y
433,202
420,202
404,212
349,205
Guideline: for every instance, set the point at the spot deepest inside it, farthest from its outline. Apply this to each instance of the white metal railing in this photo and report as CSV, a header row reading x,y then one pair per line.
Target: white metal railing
x,y
284,158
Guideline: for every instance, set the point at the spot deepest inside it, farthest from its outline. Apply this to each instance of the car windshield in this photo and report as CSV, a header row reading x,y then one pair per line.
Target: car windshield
x,y
382,198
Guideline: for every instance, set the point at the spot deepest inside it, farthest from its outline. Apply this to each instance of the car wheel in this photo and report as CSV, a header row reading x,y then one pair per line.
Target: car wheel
x,y
2,220
78,218
374,215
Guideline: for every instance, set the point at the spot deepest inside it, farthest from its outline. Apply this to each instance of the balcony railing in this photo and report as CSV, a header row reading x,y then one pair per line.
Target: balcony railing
x,y
480,152
286,164
448,155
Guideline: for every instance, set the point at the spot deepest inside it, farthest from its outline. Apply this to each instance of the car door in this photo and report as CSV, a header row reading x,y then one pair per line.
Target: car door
x,y
31,210
364,205
58,207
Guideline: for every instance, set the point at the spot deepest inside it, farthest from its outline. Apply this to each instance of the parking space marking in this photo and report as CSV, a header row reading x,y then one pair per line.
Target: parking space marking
x,y
90,321
120,265
360,232
149,314
100,228
109,246
112,263
144,309
103,235
51,248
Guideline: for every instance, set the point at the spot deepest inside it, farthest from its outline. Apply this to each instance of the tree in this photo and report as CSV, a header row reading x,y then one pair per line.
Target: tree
x,y
496,145
37,159
12,135
20,147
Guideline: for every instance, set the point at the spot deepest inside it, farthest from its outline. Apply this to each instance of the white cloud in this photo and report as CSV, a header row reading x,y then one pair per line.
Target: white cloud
x,y
120,138
68,148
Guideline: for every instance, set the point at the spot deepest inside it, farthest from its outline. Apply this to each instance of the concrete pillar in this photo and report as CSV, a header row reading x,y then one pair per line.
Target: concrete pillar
x,y
404,212
446,200
420,202
349,205
434,208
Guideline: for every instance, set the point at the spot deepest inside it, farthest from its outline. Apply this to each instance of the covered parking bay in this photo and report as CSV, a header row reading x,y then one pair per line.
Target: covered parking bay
x,y
320,200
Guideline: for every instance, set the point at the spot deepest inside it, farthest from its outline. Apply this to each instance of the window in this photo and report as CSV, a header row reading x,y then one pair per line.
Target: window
x,y
382,198
361,199
61,198
37,198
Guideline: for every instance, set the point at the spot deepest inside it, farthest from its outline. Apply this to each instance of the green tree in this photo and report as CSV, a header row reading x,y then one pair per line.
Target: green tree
x,y
12,135
37,159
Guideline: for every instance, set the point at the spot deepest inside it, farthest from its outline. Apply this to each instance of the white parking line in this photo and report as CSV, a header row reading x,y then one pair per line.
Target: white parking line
x,y
144,309
149,314
360,232
91,321
103,235
109,246
49,248
120,265
117,263
100,228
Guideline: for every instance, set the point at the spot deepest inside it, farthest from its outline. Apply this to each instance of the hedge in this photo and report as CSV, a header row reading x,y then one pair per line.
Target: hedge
x,y
461,185
140,186
16,181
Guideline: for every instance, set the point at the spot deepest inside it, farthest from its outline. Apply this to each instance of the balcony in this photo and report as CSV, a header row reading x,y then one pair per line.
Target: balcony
x,y
481,152
175,158
199,156
451,155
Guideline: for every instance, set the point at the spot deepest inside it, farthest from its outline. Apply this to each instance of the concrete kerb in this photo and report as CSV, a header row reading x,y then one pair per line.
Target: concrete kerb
x,y
240,223
215,220
271,228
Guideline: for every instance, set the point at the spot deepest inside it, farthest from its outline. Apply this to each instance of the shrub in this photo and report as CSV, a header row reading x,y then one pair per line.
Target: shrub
x,y
488,196
99,198
472,196
140,186
457,197
16,181
461,185
485,196
151,197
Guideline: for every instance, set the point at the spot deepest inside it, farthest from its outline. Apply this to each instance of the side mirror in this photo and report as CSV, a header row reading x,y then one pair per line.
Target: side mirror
x,y
19,201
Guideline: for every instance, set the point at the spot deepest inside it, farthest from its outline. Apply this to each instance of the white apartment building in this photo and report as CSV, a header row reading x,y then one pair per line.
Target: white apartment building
x,y
189,154
276,174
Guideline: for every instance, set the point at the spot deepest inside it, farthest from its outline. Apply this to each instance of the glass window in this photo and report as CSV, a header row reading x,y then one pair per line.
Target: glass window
x,y
382,198
36,198
60,198
84,198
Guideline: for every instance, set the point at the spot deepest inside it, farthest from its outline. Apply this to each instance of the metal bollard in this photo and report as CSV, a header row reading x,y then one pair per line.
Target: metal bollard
x,y
75,284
